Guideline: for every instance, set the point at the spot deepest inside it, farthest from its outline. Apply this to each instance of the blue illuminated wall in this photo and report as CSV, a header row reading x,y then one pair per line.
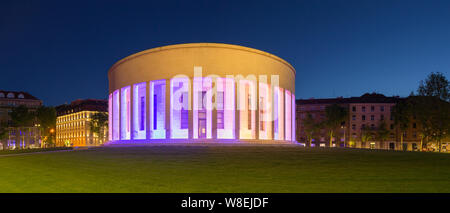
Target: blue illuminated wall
x,y
158,109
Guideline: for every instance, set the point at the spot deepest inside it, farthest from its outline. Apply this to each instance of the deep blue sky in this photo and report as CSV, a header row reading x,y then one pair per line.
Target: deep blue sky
x,y
61,50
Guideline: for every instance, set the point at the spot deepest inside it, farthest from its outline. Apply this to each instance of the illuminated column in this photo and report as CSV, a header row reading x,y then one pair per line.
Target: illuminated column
x,y
158,109
168,108
237,112
147,111
225,108
264,111
139,111
255,111
116,116
131,106
281,114
125,125
213,109
110,120
278,113
179,108
288,113
293,118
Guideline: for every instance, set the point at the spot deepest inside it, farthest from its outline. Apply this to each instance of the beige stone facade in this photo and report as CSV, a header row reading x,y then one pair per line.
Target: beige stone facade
x,y
26,137
368,111
73,123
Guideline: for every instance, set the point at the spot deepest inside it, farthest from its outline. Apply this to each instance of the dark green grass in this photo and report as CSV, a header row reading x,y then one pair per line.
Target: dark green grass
x,y
22,151
225,169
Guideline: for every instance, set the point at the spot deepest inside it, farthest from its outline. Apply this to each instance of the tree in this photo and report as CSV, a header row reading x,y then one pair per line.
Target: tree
x,y
46,117
433,115
335,116
402,114
382,133
21,118
436,85
3,135
98,124
366,135
432,108
311,127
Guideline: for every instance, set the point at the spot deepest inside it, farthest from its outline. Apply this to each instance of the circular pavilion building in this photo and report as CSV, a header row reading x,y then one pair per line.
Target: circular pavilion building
x,y
201,92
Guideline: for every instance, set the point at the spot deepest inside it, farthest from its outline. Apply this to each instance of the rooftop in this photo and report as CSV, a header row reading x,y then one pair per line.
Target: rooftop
x,y
82,105
16,95
365,98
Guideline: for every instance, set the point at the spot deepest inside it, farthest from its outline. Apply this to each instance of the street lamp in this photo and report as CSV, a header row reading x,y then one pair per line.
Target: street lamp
x,y
343,127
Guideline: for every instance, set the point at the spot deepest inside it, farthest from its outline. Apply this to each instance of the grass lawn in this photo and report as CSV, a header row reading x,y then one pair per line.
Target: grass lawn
x,y
225,169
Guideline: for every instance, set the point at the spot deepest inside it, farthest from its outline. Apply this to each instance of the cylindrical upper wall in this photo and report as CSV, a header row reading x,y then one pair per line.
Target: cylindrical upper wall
x,y
215,59
241,94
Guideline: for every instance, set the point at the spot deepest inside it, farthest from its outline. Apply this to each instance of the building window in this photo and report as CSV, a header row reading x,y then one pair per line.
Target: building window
x,y
184,116
155,111
414,125
372,126
363,117
353,117
142,121
372,117
372,108
354,109
381,117
262,122
392,126
220,120
249,107
382,108
363,109
354,126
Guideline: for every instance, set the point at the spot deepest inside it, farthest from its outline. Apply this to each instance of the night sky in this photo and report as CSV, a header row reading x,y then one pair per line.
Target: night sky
x,y
60,51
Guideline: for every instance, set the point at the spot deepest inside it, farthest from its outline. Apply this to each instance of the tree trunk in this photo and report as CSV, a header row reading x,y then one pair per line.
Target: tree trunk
x,y
331,139
17,139
439,145
401,141
421,144
4,144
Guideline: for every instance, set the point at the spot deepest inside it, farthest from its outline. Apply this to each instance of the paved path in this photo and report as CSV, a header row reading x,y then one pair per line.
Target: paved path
x,y
31,153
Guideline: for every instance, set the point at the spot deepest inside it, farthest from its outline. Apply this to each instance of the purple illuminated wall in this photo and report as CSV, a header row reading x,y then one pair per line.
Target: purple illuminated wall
x,y
125,118
110,115
202,108
247,109
265,112
225,99
179,106
288,105
139,111
293,118
116,115
158,109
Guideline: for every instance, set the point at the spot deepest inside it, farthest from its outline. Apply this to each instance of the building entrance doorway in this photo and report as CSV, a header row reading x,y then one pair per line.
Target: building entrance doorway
x,y
202,125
